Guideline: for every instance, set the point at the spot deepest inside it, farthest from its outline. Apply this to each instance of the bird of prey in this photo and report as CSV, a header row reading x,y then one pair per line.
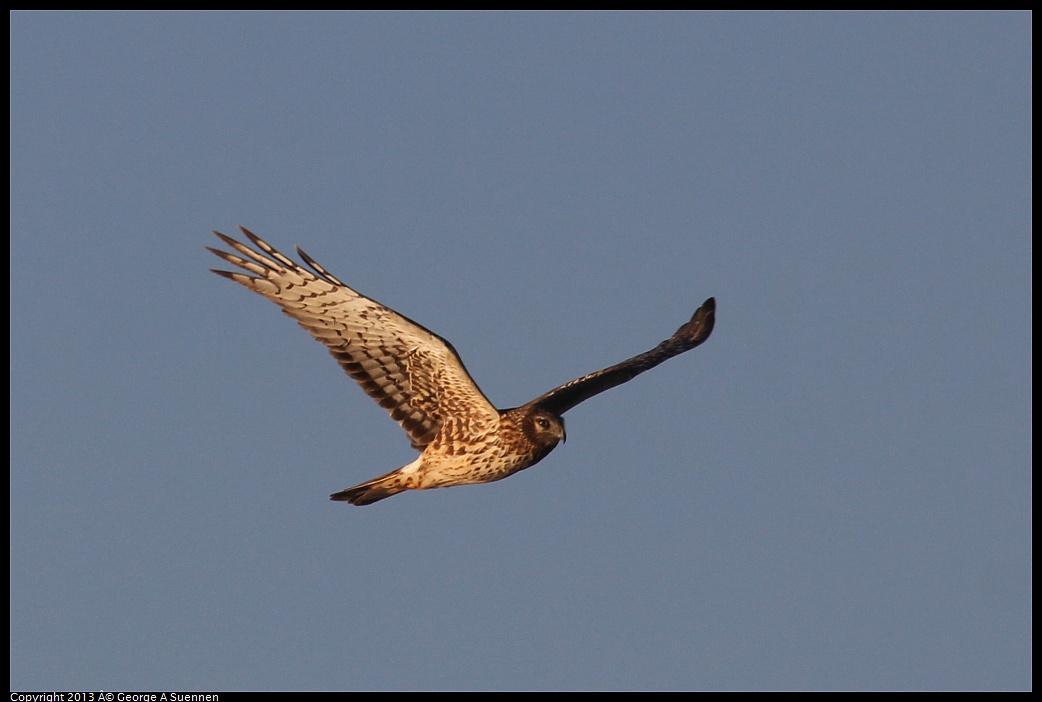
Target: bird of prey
x,y
418,377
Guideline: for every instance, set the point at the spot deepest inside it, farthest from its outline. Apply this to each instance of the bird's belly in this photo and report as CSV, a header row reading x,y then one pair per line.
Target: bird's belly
x,y
469,469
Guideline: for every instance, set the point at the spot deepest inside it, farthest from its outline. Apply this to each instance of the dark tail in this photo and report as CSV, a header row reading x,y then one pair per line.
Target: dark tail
x,y
373,490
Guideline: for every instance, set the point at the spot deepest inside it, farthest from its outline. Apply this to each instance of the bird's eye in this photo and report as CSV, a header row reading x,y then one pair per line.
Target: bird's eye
x,y
543,424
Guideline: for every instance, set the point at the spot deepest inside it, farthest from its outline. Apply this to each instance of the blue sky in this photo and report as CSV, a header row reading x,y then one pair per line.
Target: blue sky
x,y
834,492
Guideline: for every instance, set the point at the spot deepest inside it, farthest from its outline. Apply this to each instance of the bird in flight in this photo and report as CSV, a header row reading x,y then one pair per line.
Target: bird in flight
x,y
418,377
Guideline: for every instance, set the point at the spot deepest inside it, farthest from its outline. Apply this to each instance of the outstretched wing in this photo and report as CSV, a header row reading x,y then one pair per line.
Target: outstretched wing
x,y
410,371
563,398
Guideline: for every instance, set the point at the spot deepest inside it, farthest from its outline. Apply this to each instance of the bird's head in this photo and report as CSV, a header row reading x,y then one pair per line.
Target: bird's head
x,y
544,428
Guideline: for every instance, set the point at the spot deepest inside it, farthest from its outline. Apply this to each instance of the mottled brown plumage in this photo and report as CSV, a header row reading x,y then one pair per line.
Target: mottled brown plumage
x,y
420,380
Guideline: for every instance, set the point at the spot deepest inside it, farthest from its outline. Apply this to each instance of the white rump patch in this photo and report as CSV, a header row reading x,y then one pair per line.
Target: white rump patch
x,y
412,467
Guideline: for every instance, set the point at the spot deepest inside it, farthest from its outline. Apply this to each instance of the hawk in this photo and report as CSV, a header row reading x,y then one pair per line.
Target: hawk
x,y
418,377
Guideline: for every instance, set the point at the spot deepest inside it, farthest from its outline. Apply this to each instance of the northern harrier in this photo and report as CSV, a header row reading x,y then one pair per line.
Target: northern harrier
x,y
420,380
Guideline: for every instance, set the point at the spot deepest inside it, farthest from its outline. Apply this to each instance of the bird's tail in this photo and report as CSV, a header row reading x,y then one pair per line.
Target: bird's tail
x,y
378,488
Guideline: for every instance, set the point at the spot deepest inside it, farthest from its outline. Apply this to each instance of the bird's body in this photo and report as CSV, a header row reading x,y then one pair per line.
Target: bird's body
x,y
459,457
420,380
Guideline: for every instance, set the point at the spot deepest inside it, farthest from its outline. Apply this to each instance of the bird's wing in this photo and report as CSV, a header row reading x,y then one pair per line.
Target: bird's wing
x,y
694,332
410,371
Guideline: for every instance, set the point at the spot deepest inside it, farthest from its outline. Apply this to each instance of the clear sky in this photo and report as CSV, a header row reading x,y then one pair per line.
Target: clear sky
x,y
833,492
